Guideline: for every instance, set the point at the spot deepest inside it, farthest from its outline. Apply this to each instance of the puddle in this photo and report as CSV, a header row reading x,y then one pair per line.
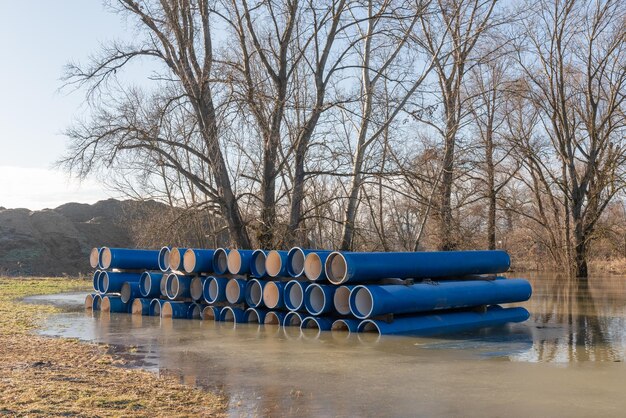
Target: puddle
x,y
567,360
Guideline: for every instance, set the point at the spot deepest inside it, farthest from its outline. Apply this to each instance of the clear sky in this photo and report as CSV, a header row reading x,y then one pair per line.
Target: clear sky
x,y
36,39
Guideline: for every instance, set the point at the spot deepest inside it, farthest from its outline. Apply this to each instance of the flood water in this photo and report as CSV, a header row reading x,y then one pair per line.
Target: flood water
x,y
566,360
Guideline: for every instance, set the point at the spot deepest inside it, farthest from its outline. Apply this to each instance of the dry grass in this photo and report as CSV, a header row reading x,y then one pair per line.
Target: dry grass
x,y
614,266
62,377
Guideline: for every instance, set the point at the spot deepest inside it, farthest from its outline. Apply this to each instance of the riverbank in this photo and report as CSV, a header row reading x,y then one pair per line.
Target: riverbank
x,y
42,376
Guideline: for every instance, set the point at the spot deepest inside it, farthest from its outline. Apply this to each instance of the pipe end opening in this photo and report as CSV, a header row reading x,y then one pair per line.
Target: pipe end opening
x,y
336,268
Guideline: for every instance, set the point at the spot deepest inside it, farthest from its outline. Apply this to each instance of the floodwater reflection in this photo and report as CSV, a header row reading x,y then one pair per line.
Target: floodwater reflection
x,y
566,360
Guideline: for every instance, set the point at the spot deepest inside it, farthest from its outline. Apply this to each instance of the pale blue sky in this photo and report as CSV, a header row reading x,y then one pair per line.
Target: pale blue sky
x,y
36,39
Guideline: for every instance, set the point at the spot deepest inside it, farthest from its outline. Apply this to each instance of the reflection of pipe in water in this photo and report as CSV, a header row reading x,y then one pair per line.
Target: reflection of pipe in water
x,y
89,301
231,314
345,267
317,324
274,318
293,319
293,295
448,322
140,306
254,315
345,326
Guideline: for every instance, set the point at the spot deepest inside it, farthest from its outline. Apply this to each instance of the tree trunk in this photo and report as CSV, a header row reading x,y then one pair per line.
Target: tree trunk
x,y
446,240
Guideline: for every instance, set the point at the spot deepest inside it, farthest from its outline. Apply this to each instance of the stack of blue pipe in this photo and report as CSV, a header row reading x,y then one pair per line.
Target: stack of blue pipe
x,y
406,293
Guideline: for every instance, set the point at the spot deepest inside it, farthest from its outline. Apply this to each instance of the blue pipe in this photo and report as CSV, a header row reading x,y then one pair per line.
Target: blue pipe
x,y
140,306
220,261
257,264
129,291
197,287
128,259
211,312
112,303
236,291
175,309
198,260
214,289
449,322
296,259
254,315
150,284
194,311
345,267
254,292
89,301
316,322
176,258
155,306
293,319
273,295
341,299
314,265
346,324
372,300
164,259
274,318
318,299
294,294
101,277
94,257
112,281
239,261
96,281
97,302
276,264
231,314
178,286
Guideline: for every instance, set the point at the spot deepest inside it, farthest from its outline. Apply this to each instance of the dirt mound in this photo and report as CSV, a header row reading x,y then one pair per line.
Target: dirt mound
x,y
53,242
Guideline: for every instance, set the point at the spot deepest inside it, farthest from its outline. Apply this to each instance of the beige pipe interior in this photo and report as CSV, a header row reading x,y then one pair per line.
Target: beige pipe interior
x,y
312,266
273,263
189,260
271,295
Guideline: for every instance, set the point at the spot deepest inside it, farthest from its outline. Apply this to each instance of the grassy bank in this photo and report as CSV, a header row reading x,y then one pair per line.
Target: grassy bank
x,y
53,376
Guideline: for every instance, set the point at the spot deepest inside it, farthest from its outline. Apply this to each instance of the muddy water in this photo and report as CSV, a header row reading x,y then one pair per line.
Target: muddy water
x,y
567,360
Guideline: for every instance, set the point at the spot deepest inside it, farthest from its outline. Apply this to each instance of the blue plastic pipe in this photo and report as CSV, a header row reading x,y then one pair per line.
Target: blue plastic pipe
x,y
97,302
94,257
257,264
155,306
198,260
178,286
111,282
317,323
345,325
129,291
445,322
128,259
214,289
101,277
176,258
276,264
341,299
140,306
294,294
196,288
296,259
239,261
150,284
236,291
363,267
112,303
175,309
254,292
273,295
293,319
89,301
220,261
164,259
254,315
232,314
318,299
314,265
194,311
274,318
96,280
211,312
372,300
